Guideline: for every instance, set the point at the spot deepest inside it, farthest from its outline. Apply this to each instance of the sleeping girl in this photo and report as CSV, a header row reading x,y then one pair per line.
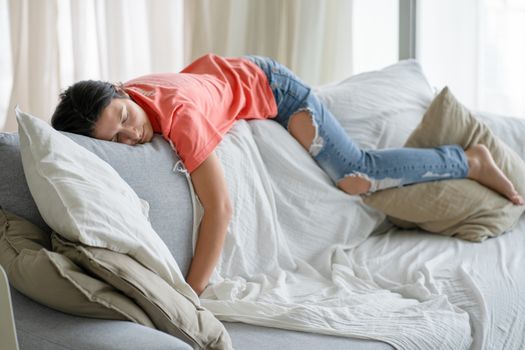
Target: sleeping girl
x,y
195,108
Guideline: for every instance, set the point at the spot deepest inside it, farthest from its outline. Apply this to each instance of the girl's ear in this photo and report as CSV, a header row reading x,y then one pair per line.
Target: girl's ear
x,y
119,87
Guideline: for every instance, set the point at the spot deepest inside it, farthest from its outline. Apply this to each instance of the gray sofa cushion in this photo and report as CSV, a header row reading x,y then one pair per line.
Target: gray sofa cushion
x,y
41,328
14,192
248,337
146,168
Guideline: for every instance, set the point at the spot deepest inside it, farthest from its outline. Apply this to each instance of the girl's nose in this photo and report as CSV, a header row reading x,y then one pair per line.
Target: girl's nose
x,y
131,136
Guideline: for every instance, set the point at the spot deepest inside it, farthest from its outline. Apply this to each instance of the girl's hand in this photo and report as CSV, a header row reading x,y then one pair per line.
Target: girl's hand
x,y
210,186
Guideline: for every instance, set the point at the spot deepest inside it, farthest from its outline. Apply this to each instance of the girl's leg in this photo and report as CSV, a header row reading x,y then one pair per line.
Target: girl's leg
x,y
481,165
302,128
358,171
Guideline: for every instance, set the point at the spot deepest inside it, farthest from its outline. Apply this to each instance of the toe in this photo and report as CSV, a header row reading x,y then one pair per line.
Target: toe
x,y
517,199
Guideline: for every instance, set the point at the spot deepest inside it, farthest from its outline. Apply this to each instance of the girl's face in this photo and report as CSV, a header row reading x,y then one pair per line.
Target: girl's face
x,y
123,121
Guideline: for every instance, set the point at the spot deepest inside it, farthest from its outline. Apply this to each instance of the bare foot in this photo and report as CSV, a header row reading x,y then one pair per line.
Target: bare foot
x,y
484,170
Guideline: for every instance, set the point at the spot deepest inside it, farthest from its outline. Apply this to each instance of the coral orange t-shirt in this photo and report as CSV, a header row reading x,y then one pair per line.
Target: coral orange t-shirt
x,y
196,107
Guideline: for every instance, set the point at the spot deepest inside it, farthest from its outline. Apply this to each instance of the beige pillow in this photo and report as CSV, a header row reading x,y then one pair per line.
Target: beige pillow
x,y
53,279
462,208
170,310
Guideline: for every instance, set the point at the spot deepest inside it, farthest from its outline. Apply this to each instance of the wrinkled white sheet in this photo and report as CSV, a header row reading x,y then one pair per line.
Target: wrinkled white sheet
x,y
288,258
487,279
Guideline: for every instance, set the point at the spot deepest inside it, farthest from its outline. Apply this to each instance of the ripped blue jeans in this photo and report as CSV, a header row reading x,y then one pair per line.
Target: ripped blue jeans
x,y
336,153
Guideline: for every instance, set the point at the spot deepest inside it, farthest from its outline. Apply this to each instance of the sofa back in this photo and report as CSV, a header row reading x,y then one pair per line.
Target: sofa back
x,y
146,168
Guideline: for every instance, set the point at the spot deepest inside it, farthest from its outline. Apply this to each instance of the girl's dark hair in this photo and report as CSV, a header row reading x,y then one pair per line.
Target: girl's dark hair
x,y
82,103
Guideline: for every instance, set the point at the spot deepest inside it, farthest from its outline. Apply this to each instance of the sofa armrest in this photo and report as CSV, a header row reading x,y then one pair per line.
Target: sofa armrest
x,y
8,330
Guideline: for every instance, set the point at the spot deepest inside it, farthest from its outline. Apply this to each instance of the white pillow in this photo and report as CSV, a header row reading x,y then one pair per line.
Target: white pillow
x,y
84,199
509,129
379,109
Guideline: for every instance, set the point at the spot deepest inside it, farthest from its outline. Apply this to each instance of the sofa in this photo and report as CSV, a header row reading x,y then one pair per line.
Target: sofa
x,y
479,282
40,327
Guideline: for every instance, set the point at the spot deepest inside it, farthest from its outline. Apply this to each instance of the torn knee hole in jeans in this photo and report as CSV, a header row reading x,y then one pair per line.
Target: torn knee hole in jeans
x,y
317,142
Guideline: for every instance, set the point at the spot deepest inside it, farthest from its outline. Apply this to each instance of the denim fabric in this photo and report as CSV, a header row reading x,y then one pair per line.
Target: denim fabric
x,y
339,156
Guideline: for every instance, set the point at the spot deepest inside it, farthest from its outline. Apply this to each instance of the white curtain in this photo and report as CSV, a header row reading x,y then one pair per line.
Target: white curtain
x,y
312,37
34,43
58,42
119,39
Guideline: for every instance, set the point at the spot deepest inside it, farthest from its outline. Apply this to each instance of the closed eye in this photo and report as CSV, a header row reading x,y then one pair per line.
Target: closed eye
x,y
124,119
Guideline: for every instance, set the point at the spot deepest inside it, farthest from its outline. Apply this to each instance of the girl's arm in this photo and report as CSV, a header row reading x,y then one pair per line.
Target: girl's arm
x,y
210,185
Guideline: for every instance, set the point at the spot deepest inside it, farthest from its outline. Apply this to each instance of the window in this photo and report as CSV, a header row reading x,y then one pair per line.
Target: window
x,y
375,34
475,47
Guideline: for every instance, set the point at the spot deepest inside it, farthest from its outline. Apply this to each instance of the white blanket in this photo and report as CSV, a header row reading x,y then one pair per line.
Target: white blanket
x,y
487,280
287,258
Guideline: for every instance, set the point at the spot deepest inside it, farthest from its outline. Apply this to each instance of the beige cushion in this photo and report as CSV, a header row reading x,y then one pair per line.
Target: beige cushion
x,y
462,208
168,308
53,279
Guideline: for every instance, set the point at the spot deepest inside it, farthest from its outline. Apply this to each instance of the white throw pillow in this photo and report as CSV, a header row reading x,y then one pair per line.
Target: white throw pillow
x,y
84,199
379,109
